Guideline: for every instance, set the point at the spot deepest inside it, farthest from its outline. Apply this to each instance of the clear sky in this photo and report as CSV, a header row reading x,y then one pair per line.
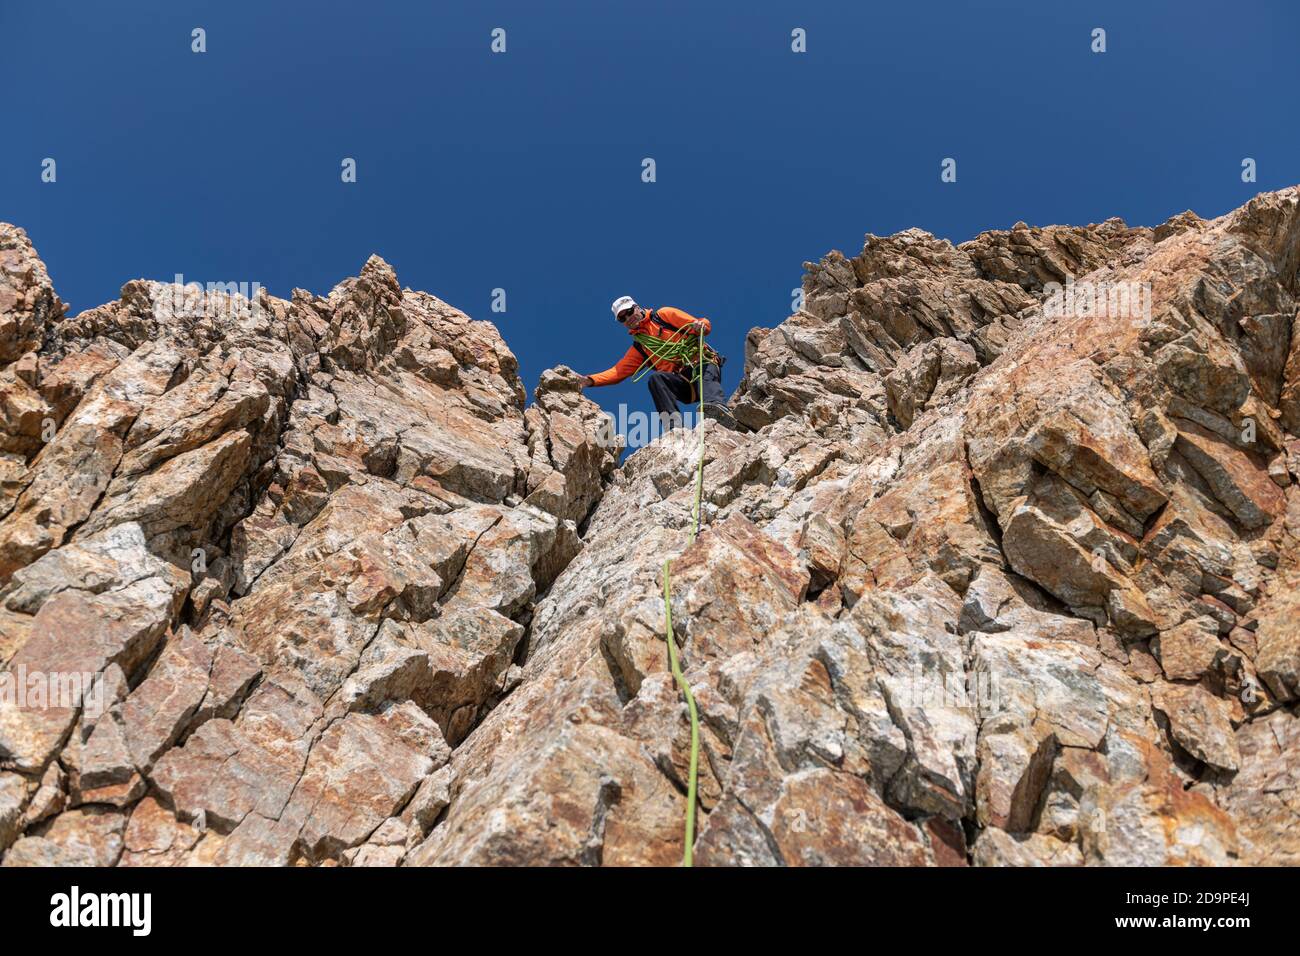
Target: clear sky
x,y
523,170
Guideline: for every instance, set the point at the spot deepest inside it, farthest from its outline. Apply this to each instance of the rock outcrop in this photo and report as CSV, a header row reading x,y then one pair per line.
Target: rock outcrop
x,y
1003,570
296,544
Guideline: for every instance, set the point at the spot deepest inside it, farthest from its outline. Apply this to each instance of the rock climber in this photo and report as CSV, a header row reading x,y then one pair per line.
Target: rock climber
x,y
670,381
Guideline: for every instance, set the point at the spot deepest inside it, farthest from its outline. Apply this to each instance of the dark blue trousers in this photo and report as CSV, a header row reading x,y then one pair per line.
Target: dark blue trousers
x,y
669,388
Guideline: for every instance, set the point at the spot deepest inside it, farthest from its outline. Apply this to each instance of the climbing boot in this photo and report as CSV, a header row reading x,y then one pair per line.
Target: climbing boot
x,y
720,414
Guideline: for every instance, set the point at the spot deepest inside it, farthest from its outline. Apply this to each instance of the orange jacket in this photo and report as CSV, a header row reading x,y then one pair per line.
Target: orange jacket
x,y
670,320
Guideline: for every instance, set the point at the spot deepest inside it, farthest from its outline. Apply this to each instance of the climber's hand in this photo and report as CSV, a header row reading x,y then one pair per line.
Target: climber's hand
x,y
587,382
692,328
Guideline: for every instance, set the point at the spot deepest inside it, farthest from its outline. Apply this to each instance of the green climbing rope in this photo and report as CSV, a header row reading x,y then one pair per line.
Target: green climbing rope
x,y
699,421
693,772
679,351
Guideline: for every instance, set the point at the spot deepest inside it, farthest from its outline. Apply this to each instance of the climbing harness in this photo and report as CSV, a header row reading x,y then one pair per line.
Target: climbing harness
x,y
692,776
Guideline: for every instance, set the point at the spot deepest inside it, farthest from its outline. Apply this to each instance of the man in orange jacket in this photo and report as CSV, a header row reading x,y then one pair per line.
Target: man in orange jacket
x,y
670,382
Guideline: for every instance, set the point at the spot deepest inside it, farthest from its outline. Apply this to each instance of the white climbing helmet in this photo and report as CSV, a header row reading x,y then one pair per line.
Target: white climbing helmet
x,y
622,303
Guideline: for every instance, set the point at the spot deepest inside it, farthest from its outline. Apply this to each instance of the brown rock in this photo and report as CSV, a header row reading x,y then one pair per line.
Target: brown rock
x,y
1243,486
823,818
355,604
999,848
1202,724
1188,650
27,299
87,837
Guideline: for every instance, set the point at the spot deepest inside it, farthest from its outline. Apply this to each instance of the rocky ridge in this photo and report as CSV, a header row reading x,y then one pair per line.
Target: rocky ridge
x,y
984,582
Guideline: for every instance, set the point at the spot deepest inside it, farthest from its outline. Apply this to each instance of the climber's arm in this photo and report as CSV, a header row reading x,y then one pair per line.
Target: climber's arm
x,y
627,366
684,321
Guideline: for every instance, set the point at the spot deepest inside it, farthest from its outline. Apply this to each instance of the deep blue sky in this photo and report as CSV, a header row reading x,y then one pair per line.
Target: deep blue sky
x,y
523,170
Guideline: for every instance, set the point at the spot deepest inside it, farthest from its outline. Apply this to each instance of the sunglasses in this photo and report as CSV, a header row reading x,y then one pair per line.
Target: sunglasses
x,y
626,316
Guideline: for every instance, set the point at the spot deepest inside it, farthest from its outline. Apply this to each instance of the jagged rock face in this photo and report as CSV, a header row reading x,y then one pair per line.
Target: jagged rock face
x,y
985,582
867,314
988,584
300,542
